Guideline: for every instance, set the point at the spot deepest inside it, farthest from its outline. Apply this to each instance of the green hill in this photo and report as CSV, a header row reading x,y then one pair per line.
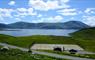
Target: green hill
x,y
85,38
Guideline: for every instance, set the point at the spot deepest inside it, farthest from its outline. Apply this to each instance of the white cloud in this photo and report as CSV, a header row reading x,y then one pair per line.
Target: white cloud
x,y
67,12
16,13
40,15
90,11
11,3
65,1
25,12
1,18
53,19
30,12
6,12
90,20
18,19
50,4
58,18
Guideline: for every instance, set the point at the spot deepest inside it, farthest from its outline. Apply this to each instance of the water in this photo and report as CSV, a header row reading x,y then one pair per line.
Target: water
x,y
29,32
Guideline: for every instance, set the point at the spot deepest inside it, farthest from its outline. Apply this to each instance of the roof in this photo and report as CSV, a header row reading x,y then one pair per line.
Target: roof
x,y
51,46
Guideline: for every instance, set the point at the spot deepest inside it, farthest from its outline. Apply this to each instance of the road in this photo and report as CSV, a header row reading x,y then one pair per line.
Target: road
x,y
46,53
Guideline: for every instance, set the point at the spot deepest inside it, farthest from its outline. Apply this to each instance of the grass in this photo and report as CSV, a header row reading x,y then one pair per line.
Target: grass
x,y
28,40
14,54
85,38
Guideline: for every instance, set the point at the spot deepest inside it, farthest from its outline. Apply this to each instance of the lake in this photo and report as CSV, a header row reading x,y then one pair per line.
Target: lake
x,y
29,32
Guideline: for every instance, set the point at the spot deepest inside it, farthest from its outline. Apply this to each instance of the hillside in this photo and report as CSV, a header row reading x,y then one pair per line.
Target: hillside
x,y
85,38
85,34
66,25
75,25
22,25
3,26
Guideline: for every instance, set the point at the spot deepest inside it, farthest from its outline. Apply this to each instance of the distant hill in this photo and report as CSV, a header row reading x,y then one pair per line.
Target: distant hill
x,y
22,25
75,25
3,26
66,25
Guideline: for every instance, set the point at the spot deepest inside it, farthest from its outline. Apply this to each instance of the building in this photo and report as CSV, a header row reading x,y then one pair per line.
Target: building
x,y
55,46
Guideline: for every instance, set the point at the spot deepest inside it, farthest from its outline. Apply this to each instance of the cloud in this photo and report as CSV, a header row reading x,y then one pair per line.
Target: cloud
x,y
65,1
11,3
68,12
16,13
50,4
40,15
90,11
18,19
30,12
25,12
53,19
58,18
6,12
90,20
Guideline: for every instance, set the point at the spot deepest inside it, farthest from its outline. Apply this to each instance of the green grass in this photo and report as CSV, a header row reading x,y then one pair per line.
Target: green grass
x,y
28,40
85,38
14,54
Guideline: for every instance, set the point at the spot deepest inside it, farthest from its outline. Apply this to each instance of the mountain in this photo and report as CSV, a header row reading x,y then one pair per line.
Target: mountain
x,y
49,25
75,25
66,25
22,25
26,25
3,26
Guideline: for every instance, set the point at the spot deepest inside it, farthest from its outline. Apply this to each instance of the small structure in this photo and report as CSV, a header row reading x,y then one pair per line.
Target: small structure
x,y
72,51
56,47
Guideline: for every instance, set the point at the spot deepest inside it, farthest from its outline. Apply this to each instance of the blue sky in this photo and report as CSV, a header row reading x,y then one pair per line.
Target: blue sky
x,y
51,11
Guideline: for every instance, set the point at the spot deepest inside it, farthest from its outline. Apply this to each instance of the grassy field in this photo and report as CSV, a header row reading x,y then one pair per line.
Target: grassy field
x,y
84,38
14,54
28,40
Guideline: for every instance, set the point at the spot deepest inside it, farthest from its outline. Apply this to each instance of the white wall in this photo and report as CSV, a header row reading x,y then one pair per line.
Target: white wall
x,y
52,46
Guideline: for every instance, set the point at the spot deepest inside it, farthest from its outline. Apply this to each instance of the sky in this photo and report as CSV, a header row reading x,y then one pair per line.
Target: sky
x,y
47,11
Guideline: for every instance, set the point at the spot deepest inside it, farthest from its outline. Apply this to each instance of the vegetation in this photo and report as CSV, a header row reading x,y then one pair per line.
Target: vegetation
x,y
85,38
28,40
14,54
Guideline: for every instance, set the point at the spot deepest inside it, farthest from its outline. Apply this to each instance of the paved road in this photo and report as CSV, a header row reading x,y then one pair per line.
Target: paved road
x,y
85,52
46,53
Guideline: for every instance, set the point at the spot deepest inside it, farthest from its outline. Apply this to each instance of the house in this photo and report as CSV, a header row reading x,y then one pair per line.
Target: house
x,y
61,47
